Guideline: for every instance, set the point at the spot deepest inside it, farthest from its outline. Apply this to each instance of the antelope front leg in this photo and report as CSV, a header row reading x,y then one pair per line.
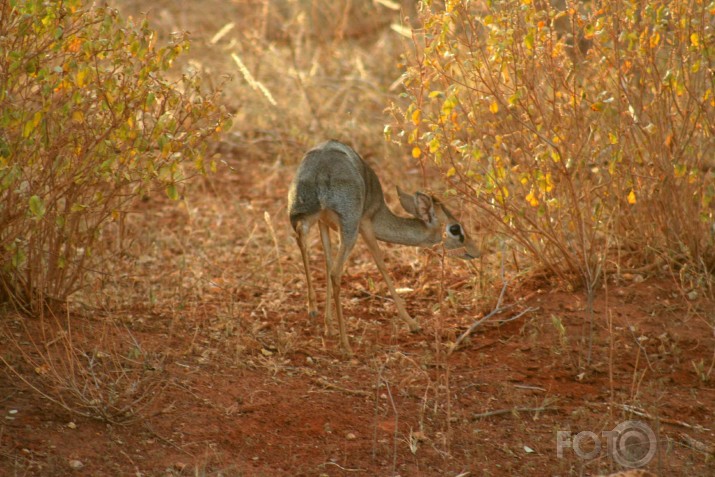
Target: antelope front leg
x,y
369,237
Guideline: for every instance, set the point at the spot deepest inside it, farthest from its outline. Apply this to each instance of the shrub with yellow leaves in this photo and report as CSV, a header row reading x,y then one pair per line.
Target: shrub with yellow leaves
x,y
89,121
582,131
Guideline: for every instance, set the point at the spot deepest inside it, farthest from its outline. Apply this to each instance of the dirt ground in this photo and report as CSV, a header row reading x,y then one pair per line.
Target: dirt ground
x,y
250,386
203,341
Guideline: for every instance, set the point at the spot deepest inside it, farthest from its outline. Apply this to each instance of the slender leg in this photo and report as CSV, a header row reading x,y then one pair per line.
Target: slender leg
x,y
347,242
301,236
369,236
327,250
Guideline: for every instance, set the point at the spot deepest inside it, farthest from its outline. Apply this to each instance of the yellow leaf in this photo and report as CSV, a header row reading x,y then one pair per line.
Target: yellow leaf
x,y
654,39
631,197
531,199
545,184
494,107
27,129
413,136
695,39
612,138
452,171
78,116
81,77
529,41
416,152
42,369
74,45
416,116
434,145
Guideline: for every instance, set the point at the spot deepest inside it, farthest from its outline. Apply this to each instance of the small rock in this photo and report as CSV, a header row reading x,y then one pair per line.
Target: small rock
x,y
309,360
76,464
72,425
12,411
350,436
693,295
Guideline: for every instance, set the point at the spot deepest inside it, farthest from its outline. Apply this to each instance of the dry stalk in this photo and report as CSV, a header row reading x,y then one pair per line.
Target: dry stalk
x,y
515,410
498,309
323,382
84,379
675,422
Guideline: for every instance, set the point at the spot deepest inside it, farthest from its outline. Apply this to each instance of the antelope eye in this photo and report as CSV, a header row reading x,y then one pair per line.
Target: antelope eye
x,y
455,230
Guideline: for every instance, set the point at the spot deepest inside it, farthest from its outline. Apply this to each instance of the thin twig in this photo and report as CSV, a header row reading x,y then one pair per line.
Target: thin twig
x,y
696,444
165,440
518,315
499,412
334,387
58,402
498,308
344,469
642,413
529,387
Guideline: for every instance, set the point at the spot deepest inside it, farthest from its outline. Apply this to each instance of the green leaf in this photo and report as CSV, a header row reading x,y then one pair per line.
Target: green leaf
x,y
171,192
529,40
19,257
27,129
37,207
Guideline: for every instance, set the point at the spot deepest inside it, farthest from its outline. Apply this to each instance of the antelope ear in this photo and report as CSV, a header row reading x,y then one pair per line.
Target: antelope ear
x,y
425,208
419,205
407,202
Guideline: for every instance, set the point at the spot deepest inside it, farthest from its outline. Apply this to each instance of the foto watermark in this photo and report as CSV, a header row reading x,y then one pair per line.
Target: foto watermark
x,y
630,444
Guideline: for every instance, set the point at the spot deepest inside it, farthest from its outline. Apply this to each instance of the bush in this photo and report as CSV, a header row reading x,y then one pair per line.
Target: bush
x,y
89,121
586,133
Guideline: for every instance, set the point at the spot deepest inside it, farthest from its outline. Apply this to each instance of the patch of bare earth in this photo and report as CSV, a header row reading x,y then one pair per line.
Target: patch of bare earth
x,y
213,290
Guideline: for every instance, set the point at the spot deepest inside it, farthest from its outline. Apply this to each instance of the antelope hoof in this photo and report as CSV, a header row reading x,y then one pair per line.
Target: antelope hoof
x,y
313,313
415,328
